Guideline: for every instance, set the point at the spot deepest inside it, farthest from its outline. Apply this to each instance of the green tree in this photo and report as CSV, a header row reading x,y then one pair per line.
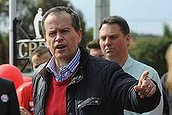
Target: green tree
x,y
88,36
26,11
152,52
167,32
151,49
4,53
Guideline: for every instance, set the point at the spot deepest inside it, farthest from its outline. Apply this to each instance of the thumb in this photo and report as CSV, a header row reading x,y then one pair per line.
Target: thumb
x,y
137,88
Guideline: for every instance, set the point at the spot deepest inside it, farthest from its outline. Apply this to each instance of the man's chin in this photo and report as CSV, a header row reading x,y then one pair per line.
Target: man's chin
x,y
109,57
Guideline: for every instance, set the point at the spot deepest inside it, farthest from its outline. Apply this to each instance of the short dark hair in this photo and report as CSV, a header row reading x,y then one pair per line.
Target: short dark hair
x,y
93,44
39,51
76,23
116,20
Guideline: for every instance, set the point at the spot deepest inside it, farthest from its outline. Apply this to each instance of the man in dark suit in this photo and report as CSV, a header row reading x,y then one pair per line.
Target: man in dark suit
x,y
8,98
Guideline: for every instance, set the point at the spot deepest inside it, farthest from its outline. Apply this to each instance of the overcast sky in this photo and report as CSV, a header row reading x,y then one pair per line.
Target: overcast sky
x,y
143,16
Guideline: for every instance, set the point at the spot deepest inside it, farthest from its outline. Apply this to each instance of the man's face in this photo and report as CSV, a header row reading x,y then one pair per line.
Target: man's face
x,y
114,44
61,37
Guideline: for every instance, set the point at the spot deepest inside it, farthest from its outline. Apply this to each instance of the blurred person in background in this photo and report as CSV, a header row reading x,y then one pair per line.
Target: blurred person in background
x,y
93,48
114,39
25,92
39,56
166,81
8,99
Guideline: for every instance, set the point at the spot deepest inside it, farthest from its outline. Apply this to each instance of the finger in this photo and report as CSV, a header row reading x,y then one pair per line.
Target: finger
x,y
149,87
21,107
145,83
144,87
147,91
140,87
144,92
152,91
143,76
22,112
137,88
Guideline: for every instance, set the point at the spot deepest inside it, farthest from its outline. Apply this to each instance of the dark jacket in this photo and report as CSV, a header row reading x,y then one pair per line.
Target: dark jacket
x,y
8,98
98,87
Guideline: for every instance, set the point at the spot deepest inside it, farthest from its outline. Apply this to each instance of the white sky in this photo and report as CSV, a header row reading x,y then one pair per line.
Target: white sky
x,y
143,16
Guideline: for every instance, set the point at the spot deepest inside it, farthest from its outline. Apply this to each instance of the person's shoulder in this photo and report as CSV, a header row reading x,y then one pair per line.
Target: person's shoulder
x,y
25,85
6,85
164,77
5,81
104,63
144,66
39,69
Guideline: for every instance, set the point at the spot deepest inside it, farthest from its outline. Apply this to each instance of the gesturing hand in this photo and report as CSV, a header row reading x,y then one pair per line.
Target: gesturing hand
x,y
145,87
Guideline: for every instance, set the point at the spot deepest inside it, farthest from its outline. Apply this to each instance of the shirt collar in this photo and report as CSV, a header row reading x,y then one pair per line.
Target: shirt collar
x,y
67,70
127,63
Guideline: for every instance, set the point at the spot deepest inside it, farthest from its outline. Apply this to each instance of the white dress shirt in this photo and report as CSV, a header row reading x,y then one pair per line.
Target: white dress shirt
x,y
136,68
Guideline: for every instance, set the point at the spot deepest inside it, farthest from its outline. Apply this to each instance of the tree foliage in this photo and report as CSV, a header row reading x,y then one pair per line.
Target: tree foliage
x,y
151,51
167,32
3,49
26,11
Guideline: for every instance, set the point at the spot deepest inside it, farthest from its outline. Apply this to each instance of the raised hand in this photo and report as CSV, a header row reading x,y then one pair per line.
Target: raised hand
x,y
145,87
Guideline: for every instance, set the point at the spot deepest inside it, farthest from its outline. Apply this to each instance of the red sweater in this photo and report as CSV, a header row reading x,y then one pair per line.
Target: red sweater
x,y
56,98
25,96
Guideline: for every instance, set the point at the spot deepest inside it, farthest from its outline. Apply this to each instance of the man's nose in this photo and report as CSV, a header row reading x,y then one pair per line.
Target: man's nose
x,y
108,40
58,37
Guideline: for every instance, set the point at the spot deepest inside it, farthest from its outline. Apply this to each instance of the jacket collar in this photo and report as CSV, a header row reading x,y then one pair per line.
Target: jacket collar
x,y
78,76
42,71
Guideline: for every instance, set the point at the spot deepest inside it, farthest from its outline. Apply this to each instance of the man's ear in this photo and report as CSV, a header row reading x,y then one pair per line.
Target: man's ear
x,y
79,35
46,42
128,40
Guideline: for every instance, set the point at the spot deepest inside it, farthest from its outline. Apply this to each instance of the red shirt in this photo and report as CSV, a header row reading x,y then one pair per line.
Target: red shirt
x,y
25,96
56,99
